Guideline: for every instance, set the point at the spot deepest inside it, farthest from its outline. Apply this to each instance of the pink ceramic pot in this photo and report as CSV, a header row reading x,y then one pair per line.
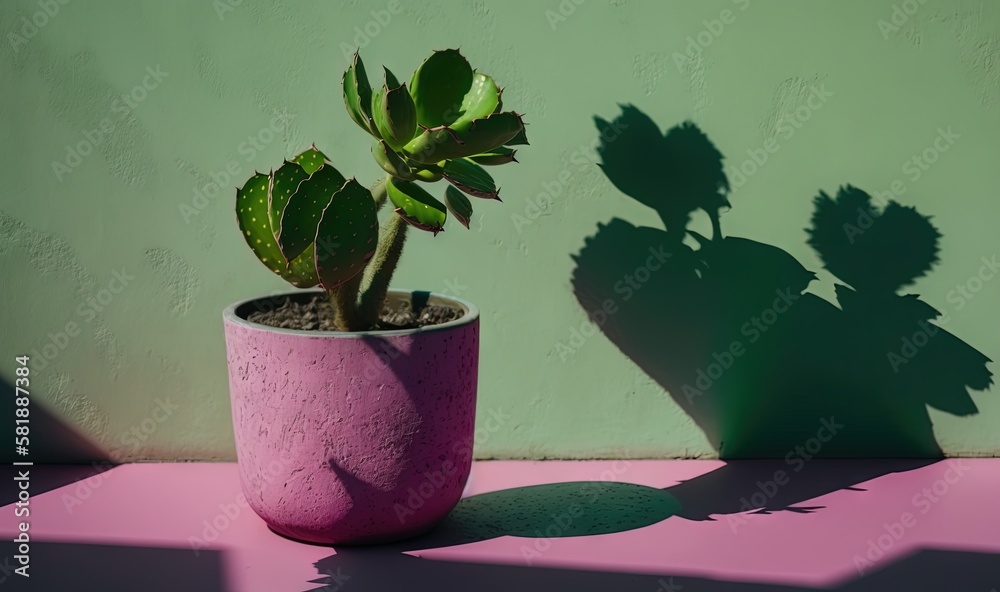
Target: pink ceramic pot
x,y
353,437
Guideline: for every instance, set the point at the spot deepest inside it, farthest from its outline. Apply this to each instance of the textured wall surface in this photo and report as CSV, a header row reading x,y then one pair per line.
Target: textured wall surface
x,y
118,252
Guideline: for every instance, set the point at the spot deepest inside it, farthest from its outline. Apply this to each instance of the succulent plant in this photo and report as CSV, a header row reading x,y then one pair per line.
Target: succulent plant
x,y
313,227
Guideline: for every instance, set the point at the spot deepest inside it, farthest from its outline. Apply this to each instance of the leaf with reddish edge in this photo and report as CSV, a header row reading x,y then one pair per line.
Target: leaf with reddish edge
x,y
495,157
311,159
483,135
459,205
346,236
416,206
255,225
394,115
284,182
471,178
305,208
521,139
358,95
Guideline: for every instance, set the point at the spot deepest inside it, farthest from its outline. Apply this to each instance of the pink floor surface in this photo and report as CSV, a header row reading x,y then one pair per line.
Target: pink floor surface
x,y
654,526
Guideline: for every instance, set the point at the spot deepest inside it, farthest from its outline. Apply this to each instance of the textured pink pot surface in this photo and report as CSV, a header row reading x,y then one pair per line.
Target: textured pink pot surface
x,y
353,437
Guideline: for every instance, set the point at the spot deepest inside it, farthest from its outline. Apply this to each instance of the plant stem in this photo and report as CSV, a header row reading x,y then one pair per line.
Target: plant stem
x,y
381,268
345,305
716,225
379,192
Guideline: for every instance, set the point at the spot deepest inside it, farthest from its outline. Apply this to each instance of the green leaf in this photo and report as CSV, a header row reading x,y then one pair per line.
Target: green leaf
x,y
416,206
459,205
521,139
301,272
305,208
390,79
252,213
255,225
395,116
470,178
428,173
284,182
310,159
390,162
358,95
439,87
346,235
481,100
495,157
484,135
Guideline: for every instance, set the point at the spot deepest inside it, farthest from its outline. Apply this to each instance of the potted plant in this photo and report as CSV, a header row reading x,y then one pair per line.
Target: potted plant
x,y
353,405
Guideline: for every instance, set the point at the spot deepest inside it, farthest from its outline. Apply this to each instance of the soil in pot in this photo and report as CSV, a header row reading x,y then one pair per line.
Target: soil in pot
x,y
316,314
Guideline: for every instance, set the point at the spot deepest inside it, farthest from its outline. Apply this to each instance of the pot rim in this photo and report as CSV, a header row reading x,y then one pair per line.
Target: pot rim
x,y
470,316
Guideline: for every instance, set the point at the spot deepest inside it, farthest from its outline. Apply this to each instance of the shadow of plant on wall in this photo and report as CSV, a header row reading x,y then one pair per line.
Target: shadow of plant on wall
x,y
724,324
767,370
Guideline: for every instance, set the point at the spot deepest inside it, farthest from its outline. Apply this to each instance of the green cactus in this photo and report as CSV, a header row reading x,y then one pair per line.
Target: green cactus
x,y
310,225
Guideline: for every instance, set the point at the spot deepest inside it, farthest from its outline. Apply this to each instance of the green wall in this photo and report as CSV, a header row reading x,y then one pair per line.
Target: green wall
x,y
115,114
